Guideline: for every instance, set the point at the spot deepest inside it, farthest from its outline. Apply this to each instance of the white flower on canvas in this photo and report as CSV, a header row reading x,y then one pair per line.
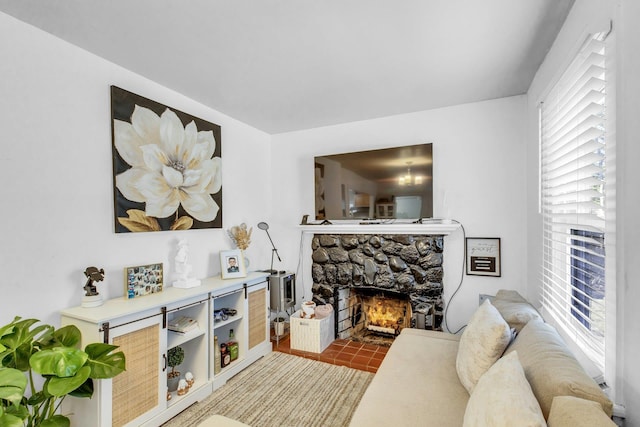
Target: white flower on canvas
x,y
171,165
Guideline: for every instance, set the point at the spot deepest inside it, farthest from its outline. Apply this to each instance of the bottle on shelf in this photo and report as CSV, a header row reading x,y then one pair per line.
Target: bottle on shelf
x,y
225,356
232,346
217,356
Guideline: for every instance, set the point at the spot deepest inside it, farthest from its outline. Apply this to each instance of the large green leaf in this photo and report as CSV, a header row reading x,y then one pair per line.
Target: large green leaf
x,y
85,390
63,386
17,411
68,336
12,385
17,339
7,420
104,363
56,421
58,361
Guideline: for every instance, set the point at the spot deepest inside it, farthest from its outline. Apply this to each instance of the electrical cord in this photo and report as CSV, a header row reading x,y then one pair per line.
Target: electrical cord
x,y
300,265
464,262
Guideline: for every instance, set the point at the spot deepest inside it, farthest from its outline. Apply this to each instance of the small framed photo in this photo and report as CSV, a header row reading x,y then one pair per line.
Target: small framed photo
x,y
143,280
232,264
483,256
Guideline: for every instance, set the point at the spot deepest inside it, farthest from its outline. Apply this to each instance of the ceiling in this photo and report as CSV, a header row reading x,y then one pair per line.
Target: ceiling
x,y
285,65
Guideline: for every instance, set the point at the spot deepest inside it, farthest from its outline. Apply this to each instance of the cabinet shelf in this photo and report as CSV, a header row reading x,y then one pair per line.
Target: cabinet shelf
x,y
222,323
175,399
178,338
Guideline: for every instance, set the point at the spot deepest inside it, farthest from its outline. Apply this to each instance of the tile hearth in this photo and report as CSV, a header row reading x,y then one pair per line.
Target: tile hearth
x,y
365,357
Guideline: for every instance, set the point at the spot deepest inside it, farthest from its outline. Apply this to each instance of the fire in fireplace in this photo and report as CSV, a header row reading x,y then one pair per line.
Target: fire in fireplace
x,y
377,314
386,315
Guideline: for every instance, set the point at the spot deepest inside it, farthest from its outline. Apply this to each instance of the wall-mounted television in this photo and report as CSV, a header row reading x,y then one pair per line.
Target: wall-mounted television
x,y
388,183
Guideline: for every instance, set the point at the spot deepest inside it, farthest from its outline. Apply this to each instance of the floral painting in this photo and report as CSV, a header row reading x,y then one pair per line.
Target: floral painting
x,y
166,167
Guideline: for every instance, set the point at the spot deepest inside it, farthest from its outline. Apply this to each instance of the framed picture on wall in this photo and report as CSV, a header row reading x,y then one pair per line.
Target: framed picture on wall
x,y
232,264
166,167
482,256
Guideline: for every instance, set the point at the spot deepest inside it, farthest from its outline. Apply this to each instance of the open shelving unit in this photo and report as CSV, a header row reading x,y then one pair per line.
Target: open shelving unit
x,y
138,396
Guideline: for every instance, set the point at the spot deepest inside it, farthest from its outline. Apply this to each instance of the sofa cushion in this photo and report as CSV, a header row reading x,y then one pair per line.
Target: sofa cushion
x,y
503,397
416,384
514,309
482,343
551,368
573,411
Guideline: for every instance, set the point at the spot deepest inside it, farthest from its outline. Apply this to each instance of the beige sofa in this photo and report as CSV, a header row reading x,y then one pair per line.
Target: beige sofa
x,y
419,382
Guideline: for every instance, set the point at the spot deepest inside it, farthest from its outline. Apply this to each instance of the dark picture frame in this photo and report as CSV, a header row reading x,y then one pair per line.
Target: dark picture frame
x,y
482,256
154,188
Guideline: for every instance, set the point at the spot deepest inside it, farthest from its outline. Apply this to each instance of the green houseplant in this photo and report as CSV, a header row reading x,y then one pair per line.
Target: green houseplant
x,y
175,356
28,350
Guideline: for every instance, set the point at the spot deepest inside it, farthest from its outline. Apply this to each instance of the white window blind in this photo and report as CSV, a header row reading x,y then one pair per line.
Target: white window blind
x,y
573,178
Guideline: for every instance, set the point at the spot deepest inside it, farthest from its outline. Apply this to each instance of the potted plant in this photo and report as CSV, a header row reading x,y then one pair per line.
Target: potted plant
x,y
278,325
175,356
27,350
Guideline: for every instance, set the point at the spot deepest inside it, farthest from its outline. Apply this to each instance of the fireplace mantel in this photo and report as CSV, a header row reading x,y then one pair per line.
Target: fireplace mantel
x,y
440,227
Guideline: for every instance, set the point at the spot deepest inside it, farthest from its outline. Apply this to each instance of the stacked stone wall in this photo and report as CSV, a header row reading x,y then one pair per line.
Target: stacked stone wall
x,y
408,264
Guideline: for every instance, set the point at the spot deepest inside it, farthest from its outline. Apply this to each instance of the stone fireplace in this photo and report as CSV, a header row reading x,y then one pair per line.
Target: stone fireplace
x,y
379,284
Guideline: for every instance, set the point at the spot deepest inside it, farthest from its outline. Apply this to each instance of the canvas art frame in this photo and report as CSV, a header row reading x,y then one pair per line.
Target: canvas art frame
x,y
143,280
167,167
482,255
232,264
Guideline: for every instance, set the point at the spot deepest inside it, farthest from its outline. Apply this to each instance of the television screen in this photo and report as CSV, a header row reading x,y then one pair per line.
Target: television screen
x,y
381,184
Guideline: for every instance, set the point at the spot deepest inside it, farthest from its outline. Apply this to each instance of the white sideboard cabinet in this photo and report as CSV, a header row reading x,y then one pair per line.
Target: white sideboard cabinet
x,y
139,396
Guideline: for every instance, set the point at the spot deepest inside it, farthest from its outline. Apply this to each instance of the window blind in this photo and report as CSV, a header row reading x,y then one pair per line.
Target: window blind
x,y
573,178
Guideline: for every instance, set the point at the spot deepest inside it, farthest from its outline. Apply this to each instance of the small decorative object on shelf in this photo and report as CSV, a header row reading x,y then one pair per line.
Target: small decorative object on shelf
x,y
183,269
182,324
175,357
225,357
232,264
223,314
92,297
232,346
143,280
183,388
241,237
189,378
217,356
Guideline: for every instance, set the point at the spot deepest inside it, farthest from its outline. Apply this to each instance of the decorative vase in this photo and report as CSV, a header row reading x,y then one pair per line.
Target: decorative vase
x,y
278,326
172,382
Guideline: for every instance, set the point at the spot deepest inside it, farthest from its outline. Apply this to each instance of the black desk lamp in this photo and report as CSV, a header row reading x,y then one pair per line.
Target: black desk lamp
x,y
264,226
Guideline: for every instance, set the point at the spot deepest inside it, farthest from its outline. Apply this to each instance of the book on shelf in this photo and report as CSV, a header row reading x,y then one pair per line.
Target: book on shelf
x,y
182,324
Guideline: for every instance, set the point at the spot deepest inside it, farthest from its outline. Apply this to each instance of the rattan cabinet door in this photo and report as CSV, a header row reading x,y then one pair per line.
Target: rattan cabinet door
x,y
258,314
139,393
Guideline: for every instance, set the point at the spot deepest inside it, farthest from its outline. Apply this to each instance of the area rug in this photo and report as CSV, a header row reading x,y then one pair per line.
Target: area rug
x,y
281,390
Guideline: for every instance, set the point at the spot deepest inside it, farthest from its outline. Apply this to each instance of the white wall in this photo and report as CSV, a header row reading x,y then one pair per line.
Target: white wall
x,y
587,17
56,174
479,159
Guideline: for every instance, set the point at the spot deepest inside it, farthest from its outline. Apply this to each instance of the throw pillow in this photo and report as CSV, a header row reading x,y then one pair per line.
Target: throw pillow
x,y
481,344
573,411
503,397
552,370
515,310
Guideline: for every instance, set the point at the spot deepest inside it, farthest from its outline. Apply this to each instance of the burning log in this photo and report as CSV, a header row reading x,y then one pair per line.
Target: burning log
x,y
374,328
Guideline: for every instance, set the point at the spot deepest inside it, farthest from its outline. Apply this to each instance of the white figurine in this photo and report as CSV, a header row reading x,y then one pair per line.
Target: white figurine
x,y
183,269
190,380
182,388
